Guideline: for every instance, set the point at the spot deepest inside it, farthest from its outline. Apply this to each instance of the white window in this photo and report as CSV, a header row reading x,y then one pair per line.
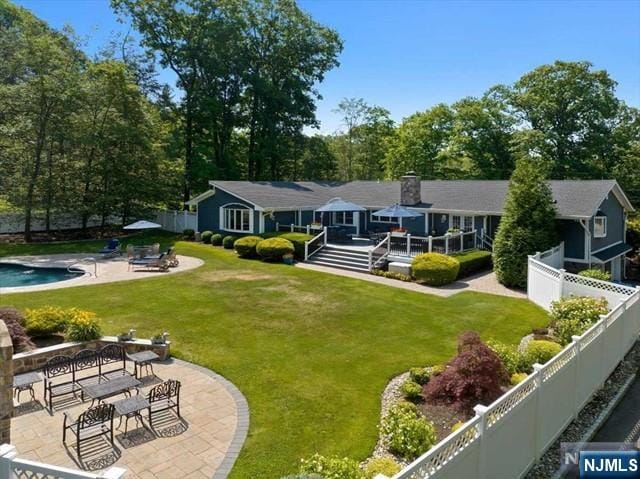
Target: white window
x,y
461,223
237,218
383,219
600,227
344,218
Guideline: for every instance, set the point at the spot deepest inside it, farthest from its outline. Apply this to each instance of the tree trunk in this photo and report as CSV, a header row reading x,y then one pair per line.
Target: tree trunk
x,y
188,150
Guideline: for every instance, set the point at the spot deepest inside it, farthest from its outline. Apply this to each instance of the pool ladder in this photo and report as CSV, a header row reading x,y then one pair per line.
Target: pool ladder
x,y
87,260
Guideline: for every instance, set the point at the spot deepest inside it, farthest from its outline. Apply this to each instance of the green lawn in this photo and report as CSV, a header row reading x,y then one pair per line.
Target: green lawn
x,y
311,351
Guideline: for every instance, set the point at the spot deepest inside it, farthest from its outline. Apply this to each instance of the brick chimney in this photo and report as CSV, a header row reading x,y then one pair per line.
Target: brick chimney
x,y
410,189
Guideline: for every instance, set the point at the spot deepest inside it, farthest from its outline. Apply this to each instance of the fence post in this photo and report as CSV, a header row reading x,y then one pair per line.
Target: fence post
x,y
446,243
430,243
277,226
325,235
291,228
537,373
308,229
461,242
576,406
561,283
408,244
481,412
7,454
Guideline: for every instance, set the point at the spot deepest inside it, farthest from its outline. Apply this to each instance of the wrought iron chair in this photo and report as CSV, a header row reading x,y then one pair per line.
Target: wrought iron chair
x,y
85,360
163,397
59,379
113,361
94,422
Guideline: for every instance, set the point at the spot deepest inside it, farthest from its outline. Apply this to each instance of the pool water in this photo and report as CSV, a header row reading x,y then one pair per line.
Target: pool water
x,y
12,275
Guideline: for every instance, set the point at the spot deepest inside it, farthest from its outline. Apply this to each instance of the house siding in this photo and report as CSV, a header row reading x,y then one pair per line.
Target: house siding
x,y
209,211
573,234
614,212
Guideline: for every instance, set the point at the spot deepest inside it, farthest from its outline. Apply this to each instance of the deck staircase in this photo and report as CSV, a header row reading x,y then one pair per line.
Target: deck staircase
x,y
334,257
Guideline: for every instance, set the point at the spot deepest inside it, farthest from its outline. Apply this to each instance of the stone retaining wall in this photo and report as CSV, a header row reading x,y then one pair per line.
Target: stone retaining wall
x,y
6,384
36,359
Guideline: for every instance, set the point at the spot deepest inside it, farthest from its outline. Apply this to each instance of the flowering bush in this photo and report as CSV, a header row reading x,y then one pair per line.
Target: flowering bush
x,y
83,326
43,322
595,274
381,465
475,375
517,378
332,467
406,432
539,351
574,315
511,358
420,375
411,390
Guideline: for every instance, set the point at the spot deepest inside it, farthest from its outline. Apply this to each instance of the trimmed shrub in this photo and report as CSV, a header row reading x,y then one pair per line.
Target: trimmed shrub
x,y
47,321
216,239
511,358
539,351
228,241
273,249
332,467
188,234
298,240
517,378
15,325
435,269
574,315
436,370
475,375
472,262
381,465
83,326
206,237
411,390
595,274
420,375
246,246
406,432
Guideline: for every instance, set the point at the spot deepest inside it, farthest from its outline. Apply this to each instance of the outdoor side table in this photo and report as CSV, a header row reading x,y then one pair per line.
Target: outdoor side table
x,y
130,408
25,382
143,360
112,387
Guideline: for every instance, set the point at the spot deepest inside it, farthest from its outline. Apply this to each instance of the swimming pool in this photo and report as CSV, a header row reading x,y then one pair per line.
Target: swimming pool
x,y
12,275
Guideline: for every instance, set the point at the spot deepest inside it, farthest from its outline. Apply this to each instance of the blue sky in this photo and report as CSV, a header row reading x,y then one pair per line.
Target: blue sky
x,y
409,55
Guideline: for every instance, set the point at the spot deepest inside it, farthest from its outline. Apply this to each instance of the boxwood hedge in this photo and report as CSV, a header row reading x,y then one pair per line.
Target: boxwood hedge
x,y
273,249
435,269
472,262
246,246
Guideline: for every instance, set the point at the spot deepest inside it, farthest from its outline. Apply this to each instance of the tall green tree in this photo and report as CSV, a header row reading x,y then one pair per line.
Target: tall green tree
x,y
528,224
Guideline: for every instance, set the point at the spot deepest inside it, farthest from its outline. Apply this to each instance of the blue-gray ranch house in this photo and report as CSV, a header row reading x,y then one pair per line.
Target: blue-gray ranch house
x,y
449,216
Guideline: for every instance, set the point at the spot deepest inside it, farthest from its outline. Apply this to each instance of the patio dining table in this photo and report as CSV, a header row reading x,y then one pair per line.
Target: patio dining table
x,y
112,387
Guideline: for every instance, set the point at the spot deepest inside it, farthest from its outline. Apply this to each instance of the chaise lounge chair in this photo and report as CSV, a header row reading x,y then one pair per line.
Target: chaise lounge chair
x,y
161,263
170,257
111,249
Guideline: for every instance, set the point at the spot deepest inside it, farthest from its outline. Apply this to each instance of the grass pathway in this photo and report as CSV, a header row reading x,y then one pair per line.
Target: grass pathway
x,y
312,352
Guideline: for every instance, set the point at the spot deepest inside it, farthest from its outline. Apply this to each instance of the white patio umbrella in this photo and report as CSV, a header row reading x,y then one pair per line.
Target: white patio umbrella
x,y
142,225
397,211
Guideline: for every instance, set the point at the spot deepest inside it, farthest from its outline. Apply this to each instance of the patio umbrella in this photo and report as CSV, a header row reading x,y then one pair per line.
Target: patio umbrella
x,y
396,211
338,204
142,225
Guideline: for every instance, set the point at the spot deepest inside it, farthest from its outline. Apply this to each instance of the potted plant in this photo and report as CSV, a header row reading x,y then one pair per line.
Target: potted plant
x,y
127,336
400,231
287,258
159,338
316,226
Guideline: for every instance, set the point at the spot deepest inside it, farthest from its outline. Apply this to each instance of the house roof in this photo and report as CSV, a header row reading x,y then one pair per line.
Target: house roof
x,y
612,252
574,198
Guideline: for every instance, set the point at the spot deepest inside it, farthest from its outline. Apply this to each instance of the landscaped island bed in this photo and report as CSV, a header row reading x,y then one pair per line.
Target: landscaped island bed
x,y
312,352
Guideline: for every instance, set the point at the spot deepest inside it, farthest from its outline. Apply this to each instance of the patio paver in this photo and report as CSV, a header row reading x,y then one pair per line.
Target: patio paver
x,y
215,420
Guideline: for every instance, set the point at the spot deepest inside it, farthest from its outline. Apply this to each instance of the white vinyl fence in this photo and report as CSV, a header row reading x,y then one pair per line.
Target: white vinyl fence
x,y
177,221
504,439
14,222
11,467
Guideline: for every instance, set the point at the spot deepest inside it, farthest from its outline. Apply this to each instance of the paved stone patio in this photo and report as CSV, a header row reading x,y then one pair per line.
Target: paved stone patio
x,y
203,443
108,270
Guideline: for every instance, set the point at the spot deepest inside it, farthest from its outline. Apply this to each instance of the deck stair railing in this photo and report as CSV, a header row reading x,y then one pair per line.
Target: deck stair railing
x,y
379,252
315,244
483,241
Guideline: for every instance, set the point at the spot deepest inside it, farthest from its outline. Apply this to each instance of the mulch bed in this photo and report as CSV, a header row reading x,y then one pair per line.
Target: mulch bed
x,y
442,417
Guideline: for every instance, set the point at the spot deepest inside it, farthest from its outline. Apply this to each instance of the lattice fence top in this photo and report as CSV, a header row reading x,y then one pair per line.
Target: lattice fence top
x,y
510,400
544,268
601,285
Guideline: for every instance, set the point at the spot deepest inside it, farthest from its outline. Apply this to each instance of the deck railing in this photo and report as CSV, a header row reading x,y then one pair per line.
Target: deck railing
x,y
293,228
410,245
379,252
507,437
315,244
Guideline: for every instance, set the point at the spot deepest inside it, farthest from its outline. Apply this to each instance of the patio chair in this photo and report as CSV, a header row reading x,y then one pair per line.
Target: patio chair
x,y
163,397
170,257
94,422
113,362
59,379
112,248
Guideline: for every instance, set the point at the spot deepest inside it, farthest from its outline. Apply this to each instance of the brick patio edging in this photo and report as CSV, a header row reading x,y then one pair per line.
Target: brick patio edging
x,y
242,428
